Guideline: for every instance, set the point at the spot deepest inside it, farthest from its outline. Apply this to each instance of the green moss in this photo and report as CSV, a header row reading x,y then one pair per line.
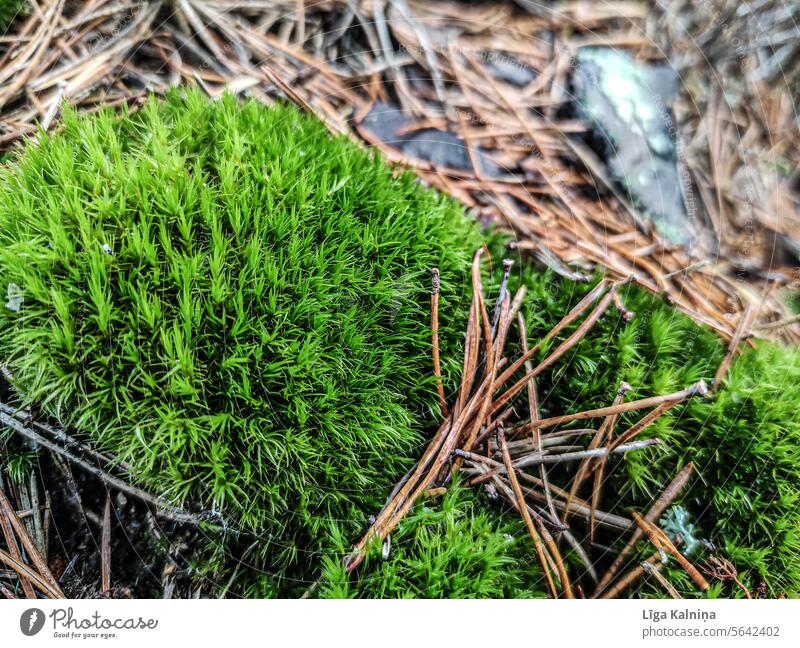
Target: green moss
x,y
233,303
454,548
744,440
10,10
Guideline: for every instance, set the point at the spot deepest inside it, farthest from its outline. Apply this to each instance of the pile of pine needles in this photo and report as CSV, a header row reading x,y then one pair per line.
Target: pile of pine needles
x,y
491,75
737,107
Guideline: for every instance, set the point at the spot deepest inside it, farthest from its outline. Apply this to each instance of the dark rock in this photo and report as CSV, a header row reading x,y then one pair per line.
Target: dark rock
x,y
440,148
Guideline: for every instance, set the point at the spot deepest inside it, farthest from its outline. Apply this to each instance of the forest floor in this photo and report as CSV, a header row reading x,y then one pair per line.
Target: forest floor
x,y
490,102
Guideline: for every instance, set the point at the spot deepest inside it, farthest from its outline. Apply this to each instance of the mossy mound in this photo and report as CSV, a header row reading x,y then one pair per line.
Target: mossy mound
x,y
233,303
236,305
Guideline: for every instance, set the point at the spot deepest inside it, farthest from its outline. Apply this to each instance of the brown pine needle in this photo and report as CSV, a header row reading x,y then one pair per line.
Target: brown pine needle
x,y
655,572
562,348
698,388
30,547
570,317
434,458
639,427
7,593
13,549
599,473
533,407
471,346
741,331
494,350
597,439
23,571
523,510
437,367
660,541
632,576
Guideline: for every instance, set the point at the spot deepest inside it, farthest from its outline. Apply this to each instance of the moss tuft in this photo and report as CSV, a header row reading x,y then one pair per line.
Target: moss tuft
x,y
233,303
236,305
453,548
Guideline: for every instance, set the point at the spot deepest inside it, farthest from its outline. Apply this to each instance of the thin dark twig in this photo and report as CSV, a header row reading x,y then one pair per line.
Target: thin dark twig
x,y
161,508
